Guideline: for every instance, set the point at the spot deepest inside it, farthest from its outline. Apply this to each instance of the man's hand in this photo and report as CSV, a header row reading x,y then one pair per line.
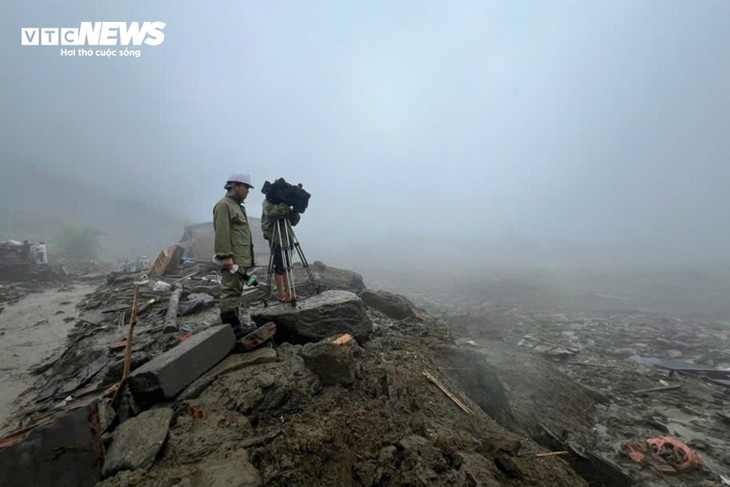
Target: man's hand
x,y
228,263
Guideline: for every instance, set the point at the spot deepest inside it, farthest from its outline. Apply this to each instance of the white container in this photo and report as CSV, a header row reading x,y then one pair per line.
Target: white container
x,y
41,254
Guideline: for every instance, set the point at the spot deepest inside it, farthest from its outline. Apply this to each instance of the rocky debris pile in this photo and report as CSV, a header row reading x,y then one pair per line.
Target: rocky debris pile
x,y
604,380
355,391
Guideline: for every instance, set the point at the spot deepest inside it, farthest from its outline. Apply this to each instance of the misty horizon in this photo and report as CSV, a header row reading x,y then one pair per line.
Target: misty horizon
x,y
559,128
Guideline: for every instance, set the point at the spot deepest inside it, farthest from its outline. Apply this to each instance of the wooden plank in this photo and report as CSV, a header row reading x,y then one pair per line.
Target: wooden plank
x,y
450,395
166,261
342,340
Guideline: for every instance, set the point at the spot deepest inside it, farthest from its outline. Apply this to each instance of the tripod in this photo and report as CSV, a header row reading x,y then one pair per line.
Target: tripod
x,y
284,240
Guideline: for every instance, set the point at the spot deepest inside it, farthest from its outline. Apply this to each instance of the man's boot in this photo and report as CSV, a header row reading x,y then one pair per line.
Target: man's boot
x,y
231,318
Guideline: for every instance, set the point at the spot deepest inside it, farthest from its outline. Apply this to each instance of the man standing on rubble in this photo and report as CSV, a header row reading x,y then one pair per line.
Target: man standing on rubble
x,y
234,246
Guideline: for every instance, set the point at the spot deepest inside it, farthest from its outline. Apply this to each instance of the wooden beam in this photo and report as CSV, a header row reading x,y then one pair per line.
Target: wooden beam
x,y
449,394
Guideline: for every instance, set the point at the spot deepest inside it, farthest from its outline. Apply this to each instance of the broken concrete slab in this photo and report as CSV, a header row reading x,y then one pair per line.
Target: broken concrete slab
x,y
229,364
332,359
392,305
167,374
234,471
136,442
66,453
318,317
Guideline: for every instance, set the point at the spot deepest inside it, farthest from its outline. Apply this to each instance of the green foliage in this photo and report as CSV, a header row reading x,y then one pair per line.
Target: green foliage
x,y
78,242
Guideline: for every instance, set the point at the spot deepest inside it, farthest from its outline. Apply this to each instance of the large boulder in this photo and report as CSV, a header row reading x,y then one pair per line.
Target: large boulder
x,y
137,442
66,452
323,315
327,278
392,305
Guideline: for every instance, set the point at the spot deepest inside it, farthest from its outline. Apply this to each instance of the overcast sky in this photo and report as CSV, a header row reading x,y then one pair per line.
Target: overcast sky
x,y
588,121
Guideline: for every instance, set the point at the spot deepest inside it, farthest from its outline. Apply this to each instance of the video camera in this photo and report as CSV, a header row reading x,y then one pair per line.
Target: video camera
x,y
282,192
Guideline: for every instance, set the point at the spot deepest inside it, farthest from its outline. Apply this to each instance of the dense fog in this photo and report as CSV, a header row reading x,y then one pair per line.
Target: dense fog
x,y
433,137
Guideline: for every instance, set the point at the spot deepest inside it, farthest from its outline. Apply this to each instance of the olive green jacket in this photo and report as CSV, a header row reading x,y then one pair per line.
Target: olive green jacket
x,y
273,212
232,232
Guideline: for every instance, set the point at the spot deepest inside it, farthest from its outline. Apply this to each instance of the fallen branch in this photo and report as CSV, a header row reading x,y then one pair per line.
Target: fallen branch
x,y
451,396
127,351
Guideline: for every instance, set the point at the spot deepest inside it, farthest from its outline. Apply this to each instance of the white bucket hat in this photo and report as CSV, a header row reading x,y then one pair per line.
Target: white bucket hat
x,y
238,178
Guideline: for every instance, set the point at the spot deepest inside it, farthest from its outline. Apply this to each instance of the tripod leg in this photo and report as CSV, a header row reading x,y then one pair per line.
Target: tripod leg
x,y
284,249
288,265
269,270
300,252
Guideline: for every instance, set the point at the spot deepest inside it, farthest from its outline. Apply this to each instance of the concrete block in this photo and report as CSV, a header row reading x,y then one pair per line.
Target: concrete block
x,y
169,373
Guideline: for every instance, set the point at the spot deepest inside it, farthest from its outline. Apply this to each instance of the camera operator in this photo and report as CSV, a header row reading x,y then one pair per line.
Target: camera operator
x,y
274,213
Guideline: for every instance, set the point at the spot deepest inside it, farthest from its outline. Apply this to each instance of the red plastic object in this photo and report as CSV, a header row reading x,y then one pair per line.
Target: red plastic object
x,y
674,453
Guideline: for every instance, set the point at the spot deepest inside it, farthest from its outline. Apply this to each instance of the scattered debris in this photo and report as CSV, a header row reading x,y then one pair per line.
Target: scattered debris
x,y
547,349
669,455
167,261
270,417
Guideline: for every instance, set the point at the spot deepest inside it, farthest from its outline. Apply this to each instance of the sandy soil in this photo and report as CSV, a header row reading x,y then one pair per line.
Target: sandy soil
x,y
31,331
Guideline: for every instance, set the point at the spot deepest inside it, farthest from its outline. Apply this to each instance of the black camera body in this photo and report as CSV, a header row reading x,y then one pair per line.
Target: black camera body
x,y
282,192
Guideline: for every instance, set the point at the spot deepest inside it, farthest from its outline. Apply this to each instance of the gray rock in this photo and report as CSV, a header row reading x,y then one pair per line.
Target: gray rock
x,y
234,471
137,441
392,305
318,317
329,278
333,363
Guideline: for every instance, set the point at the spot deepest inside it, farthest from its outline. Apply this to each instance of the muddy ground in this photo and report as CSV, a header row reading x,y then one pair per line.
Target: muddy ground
x,y
33,330
272,422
